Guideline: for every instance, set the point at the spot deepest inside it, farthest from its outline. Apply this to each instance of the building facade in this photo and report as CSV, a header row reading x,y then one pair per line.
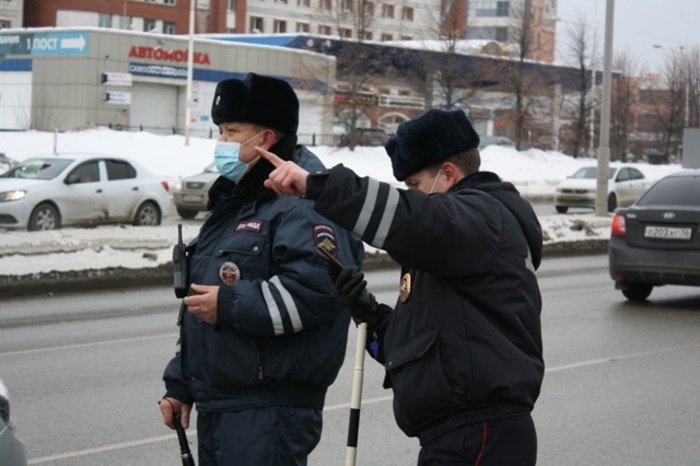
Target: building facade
x,y
70,78
367,20
11,14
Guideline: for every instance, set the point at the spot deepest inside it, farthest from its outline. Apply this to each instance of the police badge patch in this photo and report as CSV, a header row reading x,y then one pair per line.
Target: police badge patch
x,y
324,236
229,273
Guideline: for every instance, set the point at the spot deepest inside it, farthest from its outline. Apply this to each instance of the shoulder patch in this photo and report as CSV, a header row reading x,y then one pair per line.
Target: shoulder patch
x,y
250,225
324,236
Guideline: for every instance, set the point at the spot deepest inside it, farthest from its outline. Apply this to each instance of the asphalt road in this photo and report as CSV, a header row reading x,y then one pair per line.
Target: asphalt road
x,y
620,388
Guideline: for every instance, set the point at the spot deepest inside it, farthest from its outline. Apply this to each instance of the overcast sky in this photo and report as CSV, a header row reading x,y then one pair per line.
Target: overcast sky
x,y
639,25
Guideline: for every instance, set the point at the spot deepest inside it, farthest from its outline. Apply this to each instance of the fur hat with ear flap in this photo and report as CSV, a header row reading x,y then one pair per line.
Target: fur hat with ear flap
x,y
429,139
257,99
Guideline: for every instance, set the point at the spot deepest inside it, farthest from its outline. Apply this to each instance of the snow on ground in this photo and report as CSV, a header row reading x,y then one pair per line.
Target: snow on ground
x,y
534,172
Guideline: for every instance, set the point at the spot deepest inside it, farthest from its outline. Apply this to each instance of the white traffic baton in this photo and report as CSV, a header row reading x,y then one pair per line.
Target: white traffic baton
x,y
356,397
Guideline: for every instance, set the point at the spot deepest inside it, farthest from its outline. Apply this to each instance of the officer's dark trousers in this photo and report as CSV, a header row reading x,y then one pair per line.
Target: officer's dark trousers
x,y
274,436
509,442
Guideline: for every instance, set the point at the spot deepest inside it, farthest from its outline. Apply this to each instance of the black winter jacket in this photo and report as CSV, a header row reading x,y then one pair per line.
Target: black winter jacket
x,y
281,333
463,344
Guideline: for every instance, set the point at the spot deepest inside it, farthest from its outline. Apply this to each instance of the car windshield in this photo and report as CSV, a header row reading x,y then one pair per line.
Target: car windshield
x,y
38,169
681,191
590,173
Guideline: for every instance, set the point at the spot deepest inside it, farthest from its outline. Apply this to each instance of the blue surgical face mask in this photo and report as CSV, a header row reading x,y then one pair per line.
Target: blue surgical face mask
x,y
227,158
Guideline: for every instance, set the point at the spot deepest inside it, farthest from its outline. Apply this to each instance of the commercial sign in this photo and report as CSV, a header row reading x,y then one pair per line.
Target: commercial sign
x,y
164,71
45,43
359,98
161,54
116,79
119,98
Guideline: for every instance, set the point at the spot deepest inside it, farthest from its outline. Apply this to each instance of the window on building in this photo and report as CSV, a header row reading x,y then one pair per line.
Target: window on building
x,y
149,25
386,37
325,4
369,8
345,32
406,37
281,1
324,30
407,13
387,11
124,22
346,5
150,1
306,3
104,20
4,24
489,9
499,34
231,5
368,35
280,26
256,24
169,2
303,27
168,27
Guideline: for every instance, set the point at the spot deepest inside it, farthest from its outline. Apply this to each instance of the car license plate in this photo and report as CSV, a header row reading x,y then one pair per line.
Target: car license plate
x,y
667,233
192,198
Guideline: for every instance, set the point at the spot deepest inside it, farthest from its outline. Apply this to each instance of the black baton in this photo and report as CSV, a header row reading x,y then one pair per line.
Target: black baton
x,y
185,453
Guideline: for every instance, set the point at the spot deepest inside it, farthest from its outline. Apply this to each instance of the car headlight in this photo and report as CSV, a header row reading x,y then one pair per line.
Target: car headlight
x,y
15,195
5,413
178,186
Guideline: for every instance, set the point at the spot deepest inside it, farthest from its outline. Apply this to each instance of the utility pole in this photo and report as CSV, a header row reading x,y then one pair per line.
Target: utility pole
x,y
601,199
190,63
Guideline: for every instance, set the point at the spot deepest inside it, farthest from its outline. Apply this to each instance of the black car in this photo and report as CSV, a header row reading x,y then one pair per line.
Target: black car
x,y
656,241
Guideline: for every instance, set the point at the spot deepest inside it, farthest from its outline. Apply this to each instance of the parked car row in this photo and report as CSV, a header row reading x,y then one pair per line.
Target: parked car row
x,y
46,193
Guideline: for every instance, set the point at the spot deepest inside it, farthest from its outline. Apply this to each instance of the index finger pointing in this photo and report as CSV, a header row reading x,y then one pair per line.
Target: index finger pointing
x,y
270,157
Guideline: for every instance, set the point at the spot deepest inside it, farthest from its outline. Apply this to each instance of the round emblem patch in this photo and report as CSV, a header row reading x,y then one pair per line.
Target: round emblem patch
x,y
229,273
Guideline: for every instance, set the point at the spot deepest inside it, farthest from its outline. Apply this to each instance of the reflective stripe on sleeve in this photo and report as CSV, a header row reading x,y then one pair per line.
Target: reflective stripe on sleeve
x,y
392,203
272,308
368,207
289,303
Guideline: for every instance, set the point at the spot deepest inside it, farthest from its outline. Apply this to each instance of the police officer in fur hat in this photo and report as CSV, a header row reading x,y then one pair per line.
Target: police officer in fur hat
x,y
263,333
462,347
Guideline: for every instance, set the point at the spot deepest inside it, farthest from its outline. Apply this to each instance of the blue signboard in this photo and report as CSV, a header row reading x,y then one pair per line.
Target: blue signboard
x,y
45,43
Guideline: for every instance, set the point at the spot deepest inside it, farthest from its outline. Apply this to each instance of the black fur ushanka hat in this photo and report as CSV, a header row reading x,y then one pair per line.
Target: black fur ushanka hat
x,y
428,139
262,100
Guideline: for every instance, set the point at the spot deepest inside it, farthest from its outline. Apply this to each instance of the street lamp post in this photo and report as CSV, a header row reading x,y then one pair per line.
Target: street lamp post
x,y
190,64
601,204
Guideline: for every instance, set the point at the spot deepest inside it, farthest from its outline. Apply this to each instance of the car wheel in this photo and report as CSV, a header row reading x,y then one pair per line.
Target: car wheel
x,y
637,292
612,202
562,209
148,215
44,217
187,214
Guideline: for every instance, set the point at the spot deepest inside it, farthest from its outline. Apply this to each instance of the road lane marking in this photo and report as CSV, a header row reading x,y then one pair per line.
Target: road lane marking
x,y
337,407
86,345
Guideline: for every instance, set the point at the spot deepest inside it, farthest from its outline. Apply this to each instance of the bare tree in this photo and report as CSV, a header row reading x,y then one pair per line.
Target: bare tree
x,y
580,51
521,83
622,105
669,102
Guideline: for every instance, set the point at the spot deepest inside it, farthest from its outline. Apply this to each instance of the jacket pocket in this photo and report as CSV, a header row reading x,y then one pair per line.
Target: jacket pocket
x,y
422,392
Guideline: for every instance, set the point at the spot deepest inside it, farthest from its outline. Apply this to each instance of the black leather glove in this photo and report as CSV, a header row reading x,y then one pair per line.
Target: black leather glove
x,y
352,290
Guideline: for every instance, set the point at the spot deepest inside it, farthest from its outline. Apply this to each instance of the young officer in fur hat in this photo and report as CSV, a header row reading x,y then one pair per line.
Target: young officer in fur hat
x,y
263,334
462,347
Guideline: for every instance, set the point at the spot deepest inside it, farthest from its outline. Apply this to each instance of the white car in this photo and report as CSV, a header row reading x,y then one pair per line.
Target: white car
x,y
626,184
48,192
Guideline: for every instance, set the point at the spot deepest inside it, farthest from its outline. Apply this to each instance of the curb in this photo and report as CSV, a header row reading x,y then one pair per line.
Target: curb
x,y
121,277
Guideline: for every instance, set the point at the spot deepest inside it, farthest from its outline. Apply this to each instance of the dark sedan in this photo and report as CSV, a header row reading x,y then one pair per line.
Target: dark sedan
x,y
656,241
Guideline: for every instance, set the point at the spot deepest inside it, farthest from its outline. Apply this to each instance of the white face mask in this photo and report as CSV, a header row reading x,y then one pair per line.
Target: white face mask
x,y
435,182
